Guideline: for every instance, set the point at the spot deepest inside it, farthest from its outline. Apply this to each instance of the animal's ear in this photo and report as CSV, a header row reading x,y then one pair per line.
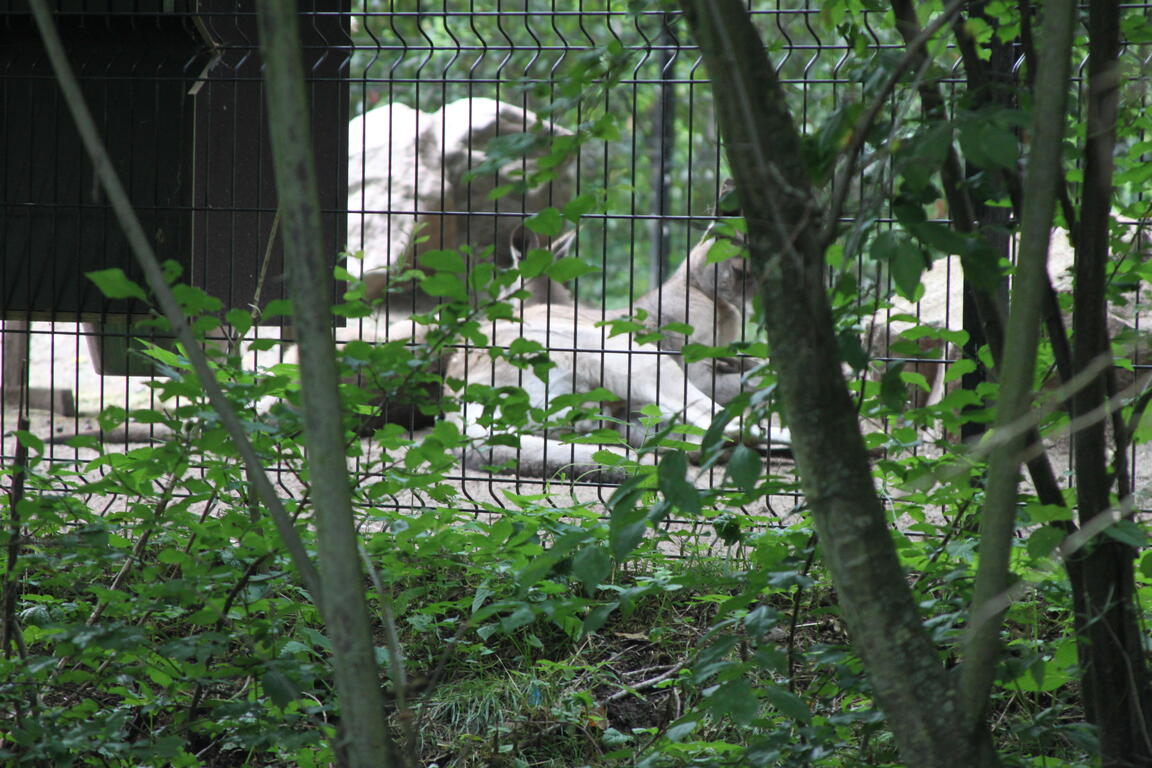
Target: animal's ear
x,y
520,242
523,240
728,203
563,243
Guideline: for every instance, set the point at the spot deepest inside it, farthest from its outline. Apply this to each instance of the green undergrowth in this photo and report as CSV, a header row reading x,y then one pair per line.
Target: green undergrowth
x,y
167,635
152,617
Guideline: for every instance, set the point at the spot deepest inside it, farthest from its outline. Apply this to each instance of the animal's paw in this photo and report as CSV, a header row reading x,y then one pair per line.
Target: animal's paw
x,y
773,438
723,365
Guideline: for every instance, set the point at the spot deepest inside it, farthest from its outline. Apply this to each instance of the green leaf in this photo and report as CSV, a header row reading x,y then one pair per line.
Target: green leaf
x,y
906,262
535,262
671,479
1127,532
505,148
682,328
1136,175
722,249
30,441
714,436
989,145
744,468
1043,541
1046,513
579,206
172,270
679,730
893,393
958,369
788,703
941,237
277,308
543,565
445,284
173,557
596,617
114,284
607,127
592,566
735,699
522,616
443,261
627,521
1002,147
1143,431
912,378
982,266
1048,674
111,417
850,349
548,222
597,395
570,268
924,154
193,300
240,320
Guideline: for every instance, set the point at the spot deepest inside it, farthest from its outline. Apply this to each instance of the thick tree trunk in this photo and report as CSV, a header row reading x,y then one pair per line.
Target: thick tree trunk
x,y
783,221
1115,680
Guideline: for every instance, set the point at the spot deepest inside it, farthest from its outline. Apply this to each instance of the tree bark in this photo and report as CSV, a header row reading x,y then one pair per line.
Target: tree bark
x,y
997,525
765,155
984,305
1115,679
364,740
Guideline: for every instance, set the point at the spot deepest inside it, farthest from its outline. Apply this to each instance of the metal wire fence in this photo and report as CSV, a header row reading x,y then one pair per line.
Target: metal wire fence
x,y
417,110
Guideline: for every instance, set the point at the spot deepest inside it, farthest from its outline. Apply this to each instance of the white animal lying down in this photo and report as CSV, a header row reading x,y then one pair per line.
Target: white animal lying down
x,y
942,306
585,357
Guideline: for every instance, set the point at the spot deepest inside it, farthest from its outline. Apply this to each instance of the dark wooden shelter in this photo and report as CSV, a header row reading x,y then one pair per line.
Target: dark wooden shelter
x,y
175,86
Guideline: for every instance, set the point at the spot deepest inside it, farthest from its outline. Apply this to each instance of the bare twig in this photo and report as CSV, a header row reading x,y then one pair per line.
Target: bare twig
x,y
11,633
651,682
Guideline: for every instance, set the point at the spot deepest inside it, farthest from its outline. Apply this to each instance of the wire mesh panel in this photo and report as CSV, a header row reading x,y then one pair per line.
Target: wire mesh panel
x,y
478,137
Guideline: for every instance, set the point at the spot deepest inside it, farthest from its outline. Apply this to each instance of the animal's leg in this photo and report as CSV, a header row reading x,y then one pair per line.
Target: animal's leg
x,y
536,456
542,457
722,379
678,394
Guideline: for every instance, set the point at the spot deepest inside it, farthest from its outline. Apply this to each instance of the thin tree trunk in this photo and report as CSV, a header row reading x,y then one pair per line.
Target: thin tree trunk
x,y
364,739
783,224
997,525
1115,680
153,274
965,219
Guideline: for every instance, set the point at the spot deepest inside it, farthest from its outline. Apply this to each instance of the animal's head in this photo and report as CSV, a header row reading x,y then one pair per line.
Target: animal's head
x,y
718,266
522,242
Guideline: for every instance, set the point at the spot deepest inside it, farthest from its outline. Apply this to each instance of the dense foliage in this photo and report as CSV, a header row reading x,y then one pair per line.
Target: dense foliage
x,y
152,617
